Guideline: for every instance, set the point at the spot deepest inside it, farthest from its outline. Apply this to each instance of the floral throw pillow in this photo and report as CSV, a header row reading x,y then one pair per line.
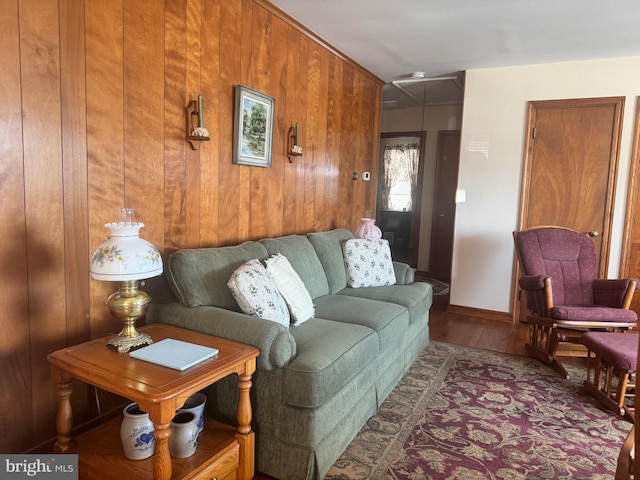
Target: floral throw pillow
x,y
368,263
292,288
257,293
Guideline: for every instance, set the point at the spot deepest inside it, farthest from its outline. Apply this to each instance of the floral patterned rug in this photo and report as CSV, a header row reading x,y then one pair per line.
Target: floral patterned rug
x,y
464,413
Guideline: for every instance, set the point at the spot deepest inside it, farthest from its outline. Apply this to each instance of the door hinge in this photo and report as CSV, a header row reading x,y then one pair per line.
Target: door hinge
x,y
533,132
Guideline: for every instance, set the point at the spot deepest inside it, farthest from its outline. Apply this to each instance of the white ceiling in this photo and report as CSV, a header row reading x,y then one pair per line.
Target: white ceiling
x,y
392,38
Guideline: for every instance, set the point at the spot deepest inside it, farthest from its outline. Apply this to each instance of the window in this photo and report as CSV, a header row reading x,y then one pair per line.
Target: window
x,y
400,176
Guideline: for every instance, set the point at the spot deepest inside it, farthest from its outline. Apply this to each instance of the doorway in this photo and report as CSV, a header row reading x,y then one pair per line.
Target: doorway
x,y
569,171
402,157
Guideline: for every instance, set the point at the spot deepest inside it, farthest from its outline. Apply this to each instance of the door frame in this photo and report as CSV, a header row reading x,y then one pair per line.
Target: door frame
x,y
618,102
632,198
417,210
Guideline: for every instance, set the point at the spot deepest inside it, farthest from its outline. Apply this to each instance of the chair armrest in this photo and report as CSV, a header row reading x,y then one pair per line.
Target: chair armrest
x,y
539,293
405,275
532,282
616,293
276,344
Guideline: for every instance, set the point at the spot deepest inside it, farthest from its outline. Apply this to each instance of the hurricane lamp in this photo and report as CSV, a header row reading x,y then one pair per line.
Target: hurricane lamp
x,y
127,258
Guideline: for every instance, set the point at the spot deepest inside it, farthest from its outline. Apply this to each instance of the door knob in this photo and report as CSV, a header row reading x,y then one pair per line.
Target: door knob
x,y
593,233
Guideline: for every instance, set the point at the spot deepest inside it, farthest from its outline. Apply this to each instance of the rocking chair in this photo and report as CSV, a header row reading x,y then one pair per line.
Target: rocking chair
x,y
564,297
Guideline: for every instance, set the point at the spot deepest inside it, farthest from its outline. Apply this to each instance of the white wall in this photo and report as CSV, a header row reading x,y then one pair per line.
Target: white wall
x,y
441,117
491,157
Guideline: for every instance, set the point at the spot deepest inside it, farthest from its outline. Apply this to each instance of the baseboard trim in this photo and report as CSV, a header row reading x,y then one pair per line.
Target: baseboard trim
x,y
480,313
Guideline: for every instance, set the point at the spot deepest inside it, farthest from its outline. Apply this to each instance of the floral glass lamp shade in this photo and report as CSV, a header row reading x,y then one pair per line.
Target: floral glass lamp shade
x,y
127,258
368,229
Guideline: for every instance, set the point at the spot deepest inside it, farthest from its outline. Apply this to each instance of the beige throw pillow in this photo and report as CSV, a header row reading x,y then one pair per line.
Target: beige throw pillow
x,y
292,288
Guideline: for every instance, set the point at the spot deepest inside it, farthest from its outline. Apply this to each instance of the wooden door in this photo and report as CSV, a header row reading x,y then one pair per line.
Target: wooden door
x,y
570,170
444,205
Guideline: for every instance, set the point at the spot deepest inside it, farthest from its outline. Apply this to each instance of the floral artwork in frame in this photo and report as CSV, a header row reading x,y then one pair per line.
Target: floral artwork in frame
x,y
253,127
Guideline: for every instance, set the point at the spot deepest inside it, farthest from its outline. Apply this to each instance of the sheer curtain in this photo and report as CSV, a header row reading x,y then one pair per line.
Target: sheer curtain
x,y
400,176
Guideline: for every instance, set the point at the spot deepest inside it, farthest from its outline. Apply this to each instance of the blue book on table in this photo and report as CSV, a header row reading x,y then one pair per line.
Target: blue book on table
x,y
174,354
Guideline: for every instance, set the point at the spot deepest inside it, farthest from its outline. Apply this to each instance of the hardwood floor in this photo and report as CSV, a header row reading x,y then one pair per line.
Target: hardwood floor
x,y
473,331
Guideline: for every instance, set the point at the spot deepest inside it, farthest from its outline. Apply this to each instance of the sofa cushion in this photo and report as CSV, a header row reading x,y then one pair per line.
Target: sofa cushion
x,y
328,247
199,276
388,320
368,263
291,287
329,355
415,297
257,293
303,259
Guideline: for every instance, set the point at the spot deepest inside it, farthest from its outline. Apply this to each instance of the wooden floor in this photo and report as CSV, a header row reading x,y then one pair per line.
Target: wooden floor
x,y
469,331
473,331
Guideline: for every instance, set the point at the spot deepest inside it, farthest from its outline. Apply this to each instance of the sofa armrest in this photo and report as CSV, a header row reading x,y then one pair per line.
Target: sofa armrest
x,y
276,344
405,275
616,293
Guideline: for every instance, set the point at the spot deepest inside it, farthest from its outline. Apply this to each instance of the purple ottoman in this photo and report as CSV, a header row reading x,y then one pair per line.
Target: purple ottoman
x,y
612,355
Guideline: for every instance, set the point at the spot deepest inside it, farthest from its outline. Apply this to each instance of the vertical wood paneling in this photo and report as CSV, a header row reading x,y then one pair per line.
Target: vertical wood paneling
x,y
229,174
347,149
292,112
374,96
15,382
144,115
246,78
175,26
40,62
311,124
303,162
105,139
74,173
282,122
359,140
210,71
259,201
194,190
92,119
74,162
322,184
334,133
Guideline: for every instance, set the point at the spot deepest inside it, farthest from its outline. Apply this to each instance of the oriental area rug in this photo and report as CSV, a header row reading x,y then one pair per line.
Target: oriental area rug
x,y
470,414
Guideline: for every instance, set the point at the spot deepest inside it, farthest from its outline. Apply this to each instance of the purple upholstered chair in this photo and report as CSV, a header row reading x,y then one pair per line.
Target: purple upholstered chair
x,y
564,297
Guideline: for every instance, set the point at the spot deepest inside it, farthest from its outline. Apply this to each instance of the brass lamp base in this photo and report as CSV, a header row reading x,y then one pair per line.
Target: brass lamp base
x,y
129,304
124,344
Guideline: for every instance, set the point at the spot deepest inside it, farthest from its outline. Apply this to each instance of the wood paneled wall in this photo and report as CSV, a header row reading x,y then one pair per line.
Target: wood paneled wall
x,y
92,98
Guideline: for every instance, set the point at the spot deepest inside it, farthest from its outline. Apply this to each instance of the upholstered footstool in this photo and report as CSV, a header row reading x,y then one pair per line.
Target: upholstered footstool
x,y
612,355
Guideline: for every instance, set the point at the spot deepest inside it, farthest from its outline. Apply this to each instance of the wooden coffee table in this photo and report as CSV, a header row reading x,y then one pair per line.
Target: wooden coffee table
x,y
223,452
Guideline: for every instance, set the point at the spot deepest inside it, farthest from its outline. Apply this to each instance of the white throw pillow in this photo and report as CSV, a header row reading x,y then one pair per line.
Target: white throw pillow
x,y
368,263
257,294
292,288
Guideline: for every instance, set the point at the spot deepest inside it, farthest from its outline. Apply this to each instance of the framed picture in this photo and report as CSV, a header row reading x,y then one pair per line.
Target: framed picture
x,y
253,127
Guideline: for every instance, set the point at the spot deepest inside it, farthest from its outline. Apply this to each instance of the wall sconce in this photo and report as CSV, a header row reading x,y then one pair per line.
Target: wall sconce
x,y
195,124
294,149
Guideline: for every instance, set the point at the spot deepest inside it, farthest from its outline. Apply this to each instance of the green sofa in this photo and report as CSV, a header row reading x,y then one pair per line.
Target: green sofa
x,y
316,384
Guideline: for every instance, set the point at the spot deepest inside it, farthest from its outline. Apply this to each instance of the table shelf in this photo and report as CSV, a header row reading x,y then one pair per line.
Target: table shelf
x,y
102,457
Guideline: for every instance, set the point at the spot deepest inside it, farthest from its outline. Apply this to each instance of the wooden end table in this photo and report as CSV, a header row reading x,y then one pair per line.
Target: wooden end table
x,y
223,452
